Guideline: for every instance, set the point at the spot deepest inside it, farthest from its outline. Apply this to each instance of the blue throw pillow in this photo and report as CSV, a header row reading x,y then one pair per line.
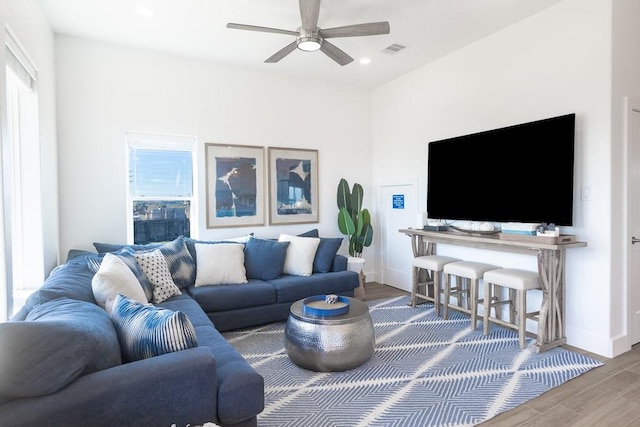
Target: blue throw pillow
x,y
103,248
264,259
325,254
59,341
126,255
181,263
310,233
146,331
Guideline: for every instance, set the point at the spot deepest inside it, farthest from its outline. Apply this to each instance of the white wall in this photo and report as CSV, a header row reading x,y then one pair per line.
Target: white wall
x,y
626,83
554,63
28,23
105,90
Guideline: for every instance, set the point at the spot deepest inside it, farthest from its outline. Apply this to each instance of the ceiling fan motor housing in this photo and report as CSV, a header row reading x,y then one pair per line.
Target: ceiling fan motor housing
x,y
309,41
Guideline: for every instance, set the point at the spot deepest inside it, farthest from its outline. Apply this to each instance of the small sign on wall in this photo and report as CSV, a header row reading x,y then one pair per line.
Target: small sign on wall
x,y
398,201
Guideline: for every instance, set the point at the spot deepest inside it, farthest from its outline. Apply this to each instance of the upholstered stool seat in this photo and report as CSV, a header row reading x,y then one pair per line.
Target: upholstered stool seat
x,y
433,264
466,289
518,282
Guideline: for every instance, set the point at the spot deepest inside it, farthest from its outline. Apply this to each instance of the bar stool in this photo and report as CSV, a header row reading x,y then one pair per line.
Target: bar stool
x,y
470,272
433,264
518,282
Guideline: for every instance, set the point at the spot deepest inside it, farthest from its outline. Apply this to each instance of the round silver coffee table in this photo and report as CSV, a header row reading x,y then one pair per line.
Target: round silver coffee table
x,y
333,343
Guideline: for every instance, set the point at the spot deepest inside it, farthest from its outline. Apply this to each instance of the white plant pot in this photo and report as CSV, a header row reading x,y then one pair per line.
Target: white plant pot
x,y
355,264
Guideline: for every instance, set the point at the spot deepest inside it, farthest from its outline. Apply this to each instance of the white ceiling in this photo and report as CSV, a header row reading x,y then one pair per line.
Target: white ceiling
x,y
429,29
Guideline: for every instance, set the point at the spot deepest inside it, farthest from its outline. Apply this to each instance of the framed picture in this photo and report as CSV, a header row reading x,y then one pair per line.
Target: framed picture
x,y
293,186
235,185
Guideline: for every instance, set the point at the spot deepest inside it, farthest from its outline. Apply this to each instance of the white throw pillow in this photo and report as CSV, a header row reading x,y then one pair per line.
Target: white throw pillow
x,y
154,265
115,277
300,254
220,263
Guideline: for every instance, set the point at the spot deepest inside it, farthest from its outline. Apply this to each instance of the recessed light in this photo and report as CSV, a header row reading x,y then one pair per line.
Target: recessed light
x,y
145,12
365,61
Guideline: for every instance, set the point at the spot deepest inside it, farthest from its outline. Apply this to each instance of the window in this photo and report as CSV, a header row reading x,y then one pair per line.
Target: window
x,y
161,187
22,269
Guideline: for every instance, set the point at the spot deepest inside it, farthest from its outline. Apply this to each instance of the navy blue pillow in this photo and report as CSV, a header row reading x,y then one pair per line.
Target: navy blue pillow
x,y
310,233
103,248
264,259
327,250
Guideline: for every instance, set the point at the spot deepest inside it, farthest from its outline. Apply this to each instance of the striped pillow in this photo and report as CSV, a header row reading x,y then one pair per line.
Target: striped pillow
x,y
146,331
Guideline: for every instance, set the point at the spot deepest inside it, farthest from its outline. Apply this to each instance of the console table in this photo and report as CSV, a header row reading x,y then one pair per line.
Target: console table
x,y
551,269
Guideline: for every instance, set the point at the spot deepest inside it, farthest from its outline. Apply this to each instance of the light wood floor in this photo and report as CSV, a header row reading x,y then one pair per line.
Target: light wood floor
x,y
605,396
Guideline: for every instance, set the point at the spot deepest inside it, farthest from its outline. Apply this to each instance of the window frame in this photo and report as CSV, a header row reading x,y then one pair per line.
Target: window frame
x,y
156,142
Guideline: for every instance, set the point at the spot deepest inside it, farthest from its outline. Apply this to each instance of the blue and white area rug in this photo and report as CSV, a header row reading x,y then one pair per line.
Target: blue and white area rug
x,y
425,371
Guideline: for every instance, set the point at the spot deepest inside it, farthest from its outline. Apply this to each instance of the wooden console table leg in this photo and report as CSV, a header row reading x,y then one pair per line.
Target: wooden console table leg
x,y
551,330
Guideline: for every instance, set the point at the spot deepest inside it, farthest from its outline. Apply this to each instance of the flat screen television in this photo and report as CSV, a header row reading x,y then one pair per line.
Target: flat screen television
x,y
521,173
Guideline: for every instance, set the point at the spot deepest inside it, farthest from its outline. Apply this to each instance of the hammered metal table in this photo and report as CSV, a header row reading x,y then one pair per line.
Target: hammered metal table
x,y
333,343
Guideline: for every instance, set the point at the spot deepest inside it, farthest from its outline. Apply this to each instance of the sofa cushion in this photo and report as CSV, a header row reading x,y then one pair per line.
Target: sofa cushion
x,y
115,277
221,263
300,254
293,288
154,265
146,331
103,248
327,250
126,255
181,264
310,233
191,243
61,340
179,259
231,297
264,259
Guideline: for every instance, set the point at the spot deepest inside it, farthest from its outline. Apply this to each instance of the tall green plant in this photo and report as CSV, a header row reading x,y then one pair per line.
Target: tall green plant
x,y
353,220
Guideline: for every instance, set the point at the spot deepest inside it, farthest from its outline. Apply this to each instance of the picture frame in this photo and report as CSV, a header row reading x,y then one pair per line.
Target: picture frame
x,y
293,186
234,185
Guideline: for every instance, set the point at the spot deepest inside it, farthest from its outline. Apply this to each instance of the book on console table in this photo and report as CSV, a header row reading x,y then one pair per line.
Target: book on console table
x,y
553,240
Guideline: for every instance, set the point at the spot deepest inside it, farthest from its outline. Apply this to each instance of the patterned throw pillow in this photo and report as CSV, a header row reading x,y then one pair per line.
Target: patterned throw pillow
x,y
146,331
154,265
115,277
181,264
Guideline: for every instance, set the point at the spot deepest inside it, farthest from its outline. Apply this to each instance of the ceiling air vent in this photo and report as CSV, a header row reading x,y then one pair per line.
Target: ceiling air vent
x,y
393,48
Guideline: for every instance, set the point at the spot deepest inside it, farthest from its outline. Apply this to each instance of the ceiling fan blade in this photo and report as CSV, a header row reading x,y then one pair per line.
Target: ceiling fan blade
x,y
282,53
309,12
261,29
335,53
370,29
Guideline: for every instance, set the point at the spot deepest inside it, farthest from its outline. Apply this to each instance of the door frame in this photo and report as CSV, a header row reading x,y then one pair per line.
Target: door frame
x,y
393,182
631,106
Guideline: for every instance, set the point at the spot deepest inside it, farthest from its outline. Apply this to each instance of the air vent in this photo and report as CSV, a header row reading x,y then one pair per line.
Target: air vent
x,y
393,48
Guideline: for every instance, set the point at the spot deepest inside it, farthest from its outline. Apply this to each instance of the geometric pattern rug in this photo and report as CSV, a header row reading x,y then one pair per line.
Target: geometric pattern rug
x,y
425,371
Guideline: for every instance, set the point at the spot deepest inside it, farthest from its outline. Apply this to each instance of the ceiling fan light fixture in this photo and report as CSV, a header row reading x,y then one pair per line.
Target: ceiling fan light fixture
x,y
309,43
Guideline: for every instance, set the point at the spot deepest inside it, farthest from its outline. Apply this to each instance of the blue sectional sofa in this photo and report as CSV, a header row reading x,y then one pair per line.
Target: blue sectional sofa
x,y
63,361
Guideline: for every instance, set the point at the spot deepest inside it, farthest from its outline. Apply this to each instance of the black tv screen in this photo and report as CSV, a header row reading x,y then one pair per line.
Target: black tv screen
x,y
521,173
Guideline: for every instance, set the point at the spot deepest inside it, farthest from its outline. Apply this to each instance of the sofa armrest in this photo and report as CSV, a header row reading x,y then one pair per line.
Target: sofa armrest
x,y
175,388
339,263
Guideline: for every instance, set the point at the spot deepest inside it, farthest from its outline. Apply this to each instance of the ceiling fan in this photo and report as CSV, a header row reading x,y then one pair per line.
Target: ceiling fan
x,y
310,37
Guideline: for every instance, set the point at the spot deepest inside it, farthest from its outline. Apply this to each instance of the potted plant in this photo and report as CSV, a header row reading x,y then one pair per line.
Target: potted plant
x,y
353,220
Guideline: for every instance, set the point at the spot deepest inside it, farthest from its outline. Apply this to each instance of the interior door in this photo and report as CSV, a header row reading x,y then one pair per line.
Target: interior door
x,y
634,220
398,208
